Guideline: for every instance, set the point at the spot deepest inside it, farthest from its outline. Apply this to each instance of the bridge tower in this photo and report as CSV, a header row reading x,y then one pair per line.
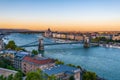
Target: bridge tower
x,y
86,42
41,45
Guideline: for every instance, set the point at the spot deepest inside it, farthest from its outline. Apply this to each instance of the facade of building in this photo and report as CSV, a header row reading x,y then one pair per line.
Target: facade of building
x,y
78,37
7,72
63,72
33,63
71,36
116,37
18,59
54,35
48,33
9,54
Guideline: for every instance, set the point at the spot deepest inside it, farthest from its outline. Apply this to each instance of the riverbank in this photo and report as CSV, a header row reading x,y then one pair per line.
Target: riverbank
x,y
111,45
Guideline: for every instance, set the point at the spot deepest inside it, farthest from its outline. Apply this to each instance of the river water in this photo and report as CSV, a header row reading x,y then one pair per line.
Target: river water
x,y
104,61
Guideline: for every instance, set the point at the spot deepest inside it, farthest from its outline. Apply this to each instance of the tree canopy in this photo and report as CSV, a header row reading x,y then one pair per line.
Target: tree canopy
x,y
89,76
11,45
35,52
71,78
39,75
58,62
34,75
5,63
17,76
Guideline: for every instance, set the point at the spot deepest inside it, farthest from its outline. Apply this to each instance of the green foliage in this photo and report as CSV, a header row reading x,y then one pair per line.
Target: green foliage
x,y
98,39
2,77
10,67
52,77
79,67
11,45
105,40
89,76
19,49
71,65
4,63
34,76
39,75
18,76
58,62
35,52
10,77
71,78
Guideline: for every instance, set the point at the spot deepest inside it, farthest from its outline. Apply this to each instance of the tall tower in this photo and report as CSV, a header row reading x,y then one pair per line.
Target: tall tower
x,y
41,45
86,42
48,33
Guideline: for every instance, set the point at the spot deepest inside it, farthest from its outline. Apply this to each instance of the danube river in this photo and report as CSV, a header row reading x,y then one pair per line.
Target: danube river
x,y
104,61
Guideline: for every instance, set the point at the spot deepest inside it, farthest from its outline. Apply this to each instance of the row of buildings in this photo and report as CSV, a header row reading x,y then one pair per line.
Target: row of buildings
x,y
27,63
81,36
63,35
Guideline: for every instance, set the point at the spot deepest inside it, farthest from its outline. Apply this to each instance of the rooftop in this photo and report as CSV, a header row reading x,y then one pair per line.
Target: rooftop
x,y
7,72
40,60
21,55
61,69
9,51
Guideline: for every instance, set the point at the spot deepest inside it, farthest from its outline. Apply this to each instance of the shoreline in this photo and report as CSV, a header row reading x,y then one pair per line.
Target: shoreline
x,y
109,46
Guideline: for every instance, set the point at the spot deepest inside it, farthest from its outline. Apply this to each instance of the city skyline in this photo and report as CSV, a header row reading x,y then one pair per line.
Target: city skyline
x,y
62,15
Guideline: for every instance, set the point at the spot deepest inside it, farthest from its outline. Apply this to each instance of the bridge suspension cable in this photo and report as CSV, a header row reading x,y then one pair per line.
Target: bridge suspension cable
x,y
28,44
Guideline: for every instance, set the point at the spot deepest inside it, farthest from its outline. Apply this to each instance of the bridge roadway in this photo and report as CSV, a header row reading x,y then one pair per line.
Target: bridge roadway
x,y
91,44
78,42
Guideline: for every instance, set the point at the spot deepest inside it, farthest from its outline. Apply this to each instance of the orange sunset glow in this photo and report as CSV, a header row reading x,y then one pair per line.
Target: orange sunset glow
x,y
81,26
60,15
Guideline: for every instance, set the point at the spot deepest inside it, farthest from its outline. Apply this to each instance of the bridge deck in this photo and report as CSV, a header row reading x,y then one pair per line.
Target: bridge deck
x,y
51,44
92,44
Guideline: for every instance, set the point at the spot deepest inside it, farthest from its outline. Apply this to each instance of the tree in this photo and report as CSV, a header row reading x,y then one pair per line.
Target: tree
x,y
89,76
71,65
52,77
79,67
2,77
18,76
19,48
71,78
11,45
10,77
35,52
58,62
4,63
34,75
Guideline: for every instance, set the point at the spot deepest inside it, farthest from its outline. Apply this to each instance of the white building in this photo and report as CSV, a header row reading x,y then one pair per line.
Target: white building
x,y
7,72
116,37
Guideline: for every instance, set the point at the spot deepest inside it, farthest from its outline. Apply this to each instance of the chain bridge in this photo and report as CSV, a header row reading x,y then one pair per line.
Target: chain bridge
x,y
42,42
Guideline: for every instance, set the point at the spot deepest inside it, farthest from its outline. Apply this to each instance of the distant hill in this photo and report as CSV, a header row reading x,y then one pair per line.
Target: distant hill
x,y
13,30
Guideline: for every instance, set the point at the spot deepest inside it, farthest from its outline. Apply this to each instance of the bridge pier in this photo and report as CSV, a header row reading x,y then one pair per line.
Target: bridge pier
x,y
41,45
86,43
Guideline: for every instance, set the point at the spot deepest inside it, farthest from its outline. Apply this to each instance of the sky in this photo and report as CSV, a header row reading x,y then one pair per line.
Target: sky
x,y
61,15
